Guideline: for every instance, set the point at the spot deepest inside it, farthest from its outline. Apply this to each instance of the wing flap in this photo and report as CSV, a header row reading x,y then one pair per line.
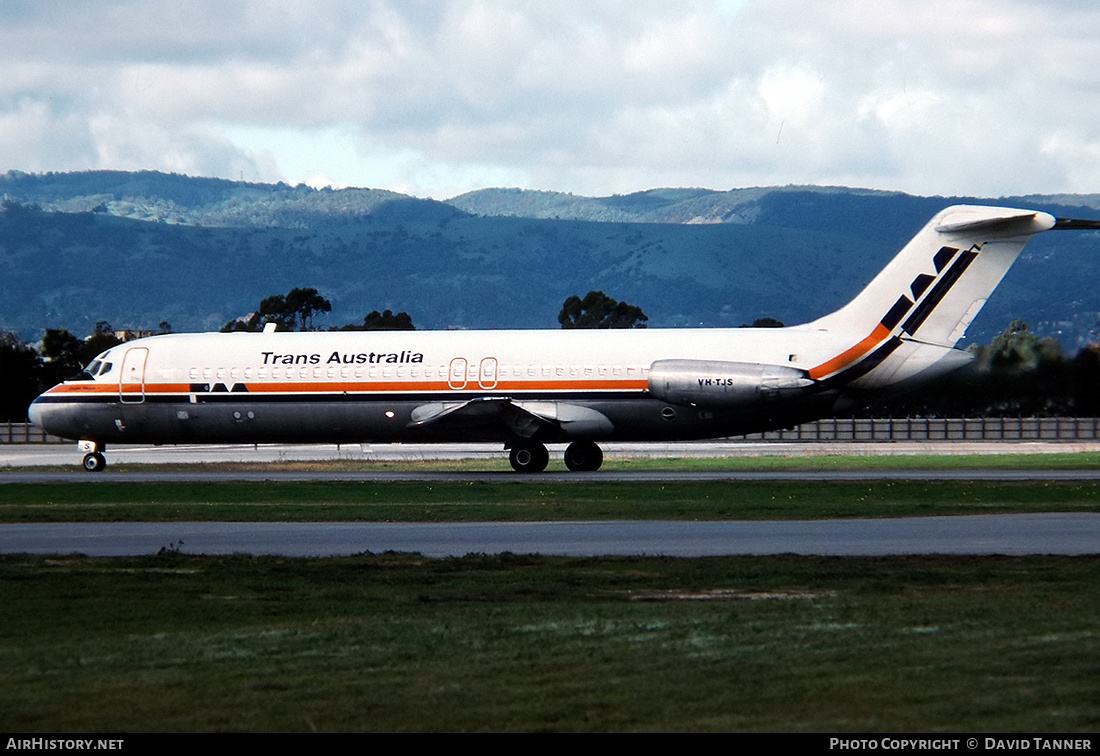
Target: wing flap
x,y
523,419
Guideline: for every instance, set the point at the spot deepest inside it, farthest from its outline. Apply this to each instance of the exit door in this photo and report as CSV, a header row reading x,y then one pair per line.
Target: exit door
x,y
131,382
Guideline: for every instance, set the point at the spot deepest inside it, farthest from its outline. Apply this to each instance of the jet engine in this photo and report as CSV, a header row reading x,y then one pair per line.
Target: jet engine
x,y
708,383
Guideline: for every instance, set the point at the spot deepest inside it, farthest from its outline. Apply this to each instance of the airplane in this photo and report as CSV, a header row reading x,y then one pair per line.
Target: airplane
x,y
526,389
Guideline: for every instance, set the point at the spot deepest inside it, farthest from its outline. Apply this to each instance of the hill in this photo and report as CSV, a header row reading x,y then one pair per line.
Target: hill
x,y
138,248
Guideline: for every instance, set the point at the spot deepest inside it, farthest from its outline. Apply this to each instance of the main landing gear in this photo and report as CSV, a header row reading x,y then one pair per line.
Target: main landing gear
x,y
532,457
94,461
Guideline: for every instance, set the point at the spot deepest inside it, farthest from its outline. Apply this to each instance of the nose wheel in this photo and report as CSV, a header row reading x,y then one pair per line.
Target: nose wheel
x,y
94,462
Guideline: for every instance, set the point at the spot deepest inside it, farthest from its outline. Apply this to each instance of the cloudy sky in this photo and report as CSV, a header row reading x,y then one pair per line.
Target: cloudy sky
x,y
438,97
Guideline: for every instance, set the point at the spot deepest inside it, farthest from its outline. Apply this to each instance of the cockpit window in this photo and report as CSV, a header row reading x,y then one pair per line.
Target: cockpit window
x,y
97,367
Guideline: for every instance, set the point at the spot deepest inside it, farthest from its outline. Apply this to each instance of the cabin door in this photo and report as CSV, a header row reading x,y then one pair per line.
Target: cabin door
x,y
131,383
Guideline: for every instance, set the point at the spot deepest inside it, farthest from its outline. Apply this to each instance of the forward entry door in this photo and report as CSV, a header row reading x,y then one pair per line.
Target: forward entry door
x,y
131,383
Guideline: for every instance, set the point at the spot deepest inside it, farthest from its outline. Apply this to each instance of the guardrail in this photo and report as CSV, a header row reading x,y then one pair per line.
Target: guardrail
x,y
25,433
939,429
831,429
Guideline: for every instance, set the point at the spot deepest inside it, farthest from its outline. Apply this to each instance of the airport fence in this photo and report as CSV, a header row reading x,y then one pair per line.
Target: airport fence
x,y
25,433
861,429
939,429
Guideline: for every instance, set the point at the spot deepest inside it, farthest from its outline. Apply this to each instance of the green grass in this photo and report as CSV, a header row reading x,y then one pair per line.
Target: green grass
x,y
523,500
818,462
398,642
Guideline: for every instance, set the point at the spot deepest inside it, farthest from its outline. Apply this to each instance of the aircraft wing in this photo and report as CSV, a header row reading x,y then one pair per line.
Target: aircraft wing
x,y
522,418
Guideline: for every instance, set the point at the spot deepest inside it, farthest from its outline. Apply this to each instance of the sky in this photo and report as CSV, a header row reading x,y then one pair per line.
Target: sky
x,y
435,98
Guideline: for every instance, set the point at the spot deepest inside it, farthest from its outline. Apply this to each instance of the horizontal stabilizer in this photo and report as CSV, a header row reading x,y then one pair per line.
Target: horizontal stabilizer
x,y
970,218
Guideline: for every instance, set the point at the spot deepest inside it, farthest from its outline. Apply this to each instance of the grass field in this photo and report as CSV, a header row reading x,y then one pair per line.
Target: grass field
x,y
398,642
523,499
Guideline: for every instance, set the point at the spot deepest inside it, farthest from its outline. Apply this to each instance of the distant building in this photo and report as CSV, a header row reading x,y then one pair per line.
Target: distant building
x,y
129,334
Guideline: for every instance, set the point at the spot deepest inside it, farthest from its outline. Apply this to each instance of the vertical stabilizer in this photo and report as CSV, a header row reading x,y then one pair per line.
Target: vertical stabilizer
x,y
930,293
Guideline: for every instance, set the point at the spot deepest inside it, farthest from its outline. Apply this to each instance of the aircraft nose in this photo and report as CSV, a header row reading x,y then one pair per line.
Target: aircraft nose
x,y
34,413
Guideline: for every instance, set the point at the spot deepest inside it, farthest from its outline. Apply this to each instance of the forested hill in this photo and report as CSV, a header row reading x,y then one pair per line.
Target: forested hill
x,y
135,249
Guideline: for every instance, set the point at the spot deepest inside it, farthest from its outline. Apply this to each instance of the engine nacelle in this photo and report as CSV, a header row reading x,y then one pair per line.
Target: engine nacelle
x,y
707,383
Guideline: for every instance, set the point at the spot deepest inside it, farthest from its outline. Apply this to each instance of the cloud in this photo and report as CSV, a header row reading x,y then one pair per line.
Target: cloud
x,y
437,97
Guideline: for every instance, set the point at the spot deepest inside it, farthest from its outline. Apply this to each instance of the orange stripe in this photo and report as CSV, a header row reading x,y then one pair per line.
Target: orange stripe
x,y
849,356
441,387
365,387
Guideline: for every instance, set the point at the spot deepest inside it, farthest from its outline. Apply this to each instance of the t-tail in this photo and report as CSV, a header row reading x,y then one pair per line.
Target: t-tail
x,y
906,322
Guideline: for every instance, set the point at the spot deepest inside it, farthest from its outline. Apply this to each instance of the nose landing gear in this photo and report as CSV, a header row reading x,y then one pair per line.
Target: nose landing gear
x,y
94,461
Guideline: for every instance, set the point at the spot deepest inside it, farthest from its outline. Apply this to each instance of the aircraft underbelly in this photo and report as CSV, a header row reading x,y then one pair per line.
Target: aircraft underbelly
x,y
637,418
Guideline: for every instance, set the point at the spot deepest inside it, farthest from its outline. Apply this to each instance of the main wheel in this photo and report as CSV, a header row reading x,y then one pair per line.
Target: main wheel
x,y
583,456
528,457
94,462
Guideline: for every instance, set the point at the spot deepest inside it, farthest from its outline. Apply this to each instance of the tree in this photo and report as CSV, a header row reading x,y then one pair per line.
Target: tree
x,y
597,310
1018,348
100,340
293,311
382,321
61,355
764,323
305,304
19,378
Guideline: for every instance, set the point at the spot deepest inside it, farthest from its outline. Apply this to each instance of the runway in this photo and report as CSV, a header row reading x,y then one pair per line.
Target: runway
x,y
1016,535
1070,534
427,476
21,456
54,463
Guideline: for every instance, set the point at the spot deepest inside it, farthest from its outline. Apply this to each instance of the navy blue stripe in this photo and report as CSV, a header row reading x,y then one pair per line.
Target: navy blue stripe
x,y
939,291
897,312
866,365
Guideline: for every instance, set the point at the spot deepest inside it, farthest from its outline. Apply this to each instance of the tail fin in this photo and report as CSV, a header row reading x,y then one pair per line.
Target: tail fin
x,y
913,312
